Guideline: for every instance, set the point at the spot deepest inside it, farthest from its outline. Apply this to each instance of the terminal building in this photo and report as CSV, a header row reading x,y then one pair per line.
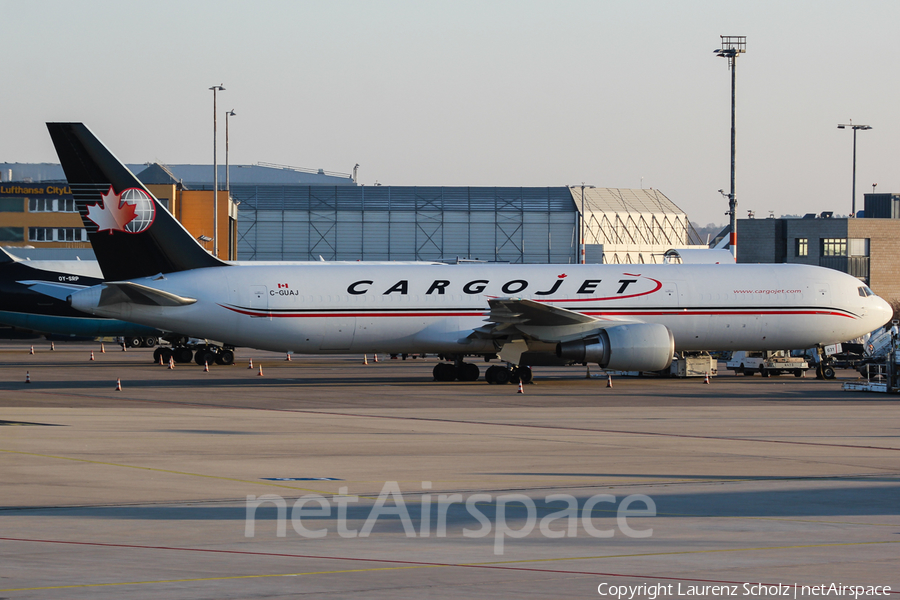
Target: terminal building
x,y
275,212
866,247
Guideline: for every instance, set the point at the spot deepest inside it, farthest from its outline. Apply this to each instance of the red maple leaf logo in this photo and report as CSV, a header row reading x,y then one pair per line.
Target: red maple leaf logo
x,y
114,215
563,276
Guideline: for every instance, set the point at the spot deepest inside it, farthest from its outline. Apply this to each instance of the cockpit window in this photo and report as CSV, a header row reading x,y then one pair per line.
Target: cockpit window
x,y
865,292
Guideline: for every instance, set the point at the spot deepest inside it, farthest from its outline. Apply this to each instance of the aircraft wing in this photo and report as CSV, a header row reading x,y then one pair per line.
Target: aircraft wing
x,y
117,292
511,318
60,291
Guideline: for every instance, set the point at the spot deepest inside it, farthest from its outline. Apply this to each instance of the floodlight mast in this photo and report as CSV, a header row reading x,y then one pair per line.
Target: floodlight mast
x,y
855,128
214,89
732,45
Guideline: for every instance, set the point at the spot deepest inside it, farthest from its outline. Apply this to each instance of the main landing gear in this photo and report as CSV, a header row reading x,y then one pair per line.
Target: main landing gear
x,y
500,375
205,354
462,371
140,342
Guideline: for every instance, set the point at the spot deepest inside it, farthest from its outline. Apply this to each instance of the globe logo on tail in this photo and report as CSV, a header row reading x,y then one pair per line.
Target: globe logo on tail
x,y
144,210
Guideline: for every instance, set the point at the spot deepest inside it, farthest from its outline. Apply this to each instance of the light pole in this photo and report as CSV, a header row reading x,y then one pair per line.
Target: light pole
x,y
215,88
732,45
855,128
230,113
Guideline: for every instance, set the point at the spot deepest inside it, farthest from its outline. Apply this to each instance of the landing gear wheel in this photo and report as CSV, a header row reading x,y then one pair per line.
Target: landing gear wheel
x,y
133,342
182,355
149,342
444,372
468,372
225,357
501,375
525,374
828,372
491,373
165,353
204,357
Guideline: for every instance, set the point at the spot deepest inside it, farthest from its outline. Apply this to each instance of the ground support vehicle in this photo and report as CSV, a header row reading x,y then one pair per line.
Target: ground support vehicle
x,y
769,362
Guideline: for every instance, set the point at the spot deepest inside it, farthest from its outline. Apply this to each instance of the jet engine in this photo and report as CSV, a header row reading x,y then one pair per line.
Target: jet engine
x,y
628,347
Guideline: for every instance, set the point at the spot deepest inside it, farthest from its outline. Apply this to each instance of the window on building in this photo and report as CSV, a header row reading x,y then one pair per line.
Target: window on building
x,y
834,246
57,234
858,247
12,204
12,234
802,247
40,205
52,205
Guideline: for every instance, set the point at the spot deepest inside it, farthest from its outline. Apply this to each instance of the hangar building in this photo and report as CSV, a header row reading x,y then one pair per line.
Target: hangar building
x,y
503,224
287,213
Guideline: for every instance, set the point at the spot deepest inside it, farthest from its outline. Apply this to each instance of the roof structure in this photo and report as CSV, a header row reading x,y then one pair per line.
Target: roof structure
x,y
632,226
192,176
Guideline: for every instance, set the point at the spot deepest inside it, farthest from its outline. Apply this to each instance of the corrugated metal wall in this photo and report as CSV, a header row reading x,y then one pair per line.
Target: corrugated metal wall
x,y
518,225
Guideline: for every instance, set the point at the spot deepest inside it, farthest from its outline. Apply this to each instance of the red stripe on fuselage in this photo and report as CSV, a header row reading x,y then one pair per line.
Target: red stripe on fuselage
x,y
672,312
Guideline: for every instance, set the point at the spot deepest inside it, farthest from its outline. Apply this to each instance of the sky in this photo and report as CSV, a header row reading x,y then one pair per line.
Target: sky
x,y
624,94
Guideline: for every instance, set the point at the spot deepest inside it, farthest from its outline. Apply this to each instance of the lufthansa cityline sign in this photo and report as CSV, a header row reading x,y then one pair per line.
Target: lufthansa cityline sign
x,y
16,189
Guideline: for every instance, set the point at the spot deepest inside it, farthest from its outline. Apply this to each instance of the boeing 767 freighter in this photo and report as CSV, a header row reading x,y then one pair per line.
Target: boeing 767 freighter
x,y
626,317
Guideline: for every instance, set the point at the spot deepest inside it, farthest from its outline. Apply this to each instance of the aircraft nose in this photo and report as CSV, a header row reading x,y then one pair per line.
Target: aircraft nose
x,y
881,311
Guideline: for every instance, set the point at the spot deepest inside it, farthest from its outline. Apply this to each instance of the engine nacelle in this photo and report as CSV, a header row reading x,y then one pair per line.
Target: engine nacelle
x,y
629,347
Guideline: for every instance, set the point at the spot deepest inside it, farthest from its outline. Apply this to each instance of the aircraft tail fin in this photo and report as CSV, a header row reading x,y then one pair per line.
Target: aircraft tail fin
x,y
132,234
6,257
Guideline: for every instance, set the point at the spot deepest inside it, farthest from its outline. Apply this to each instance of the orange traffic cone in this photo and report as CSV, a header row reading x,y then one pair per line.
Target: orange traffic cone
x,y
32,350
124,349
160,359
102,348
288,357
250,366
365,359
52,347
206,366
376,357
608,380
27,377
92,355
171,362
706,379
118,384
521,389
260,374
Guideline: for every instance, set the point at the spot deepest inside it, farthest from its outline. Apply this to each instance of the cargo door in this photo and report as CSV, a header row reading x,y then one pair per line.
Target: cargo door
x,y
337,335
259,299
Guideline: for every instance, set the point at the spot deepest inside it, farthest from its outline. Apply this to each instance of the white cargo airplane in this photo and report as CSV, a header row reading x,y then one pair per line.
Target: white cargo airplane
x,y
628,317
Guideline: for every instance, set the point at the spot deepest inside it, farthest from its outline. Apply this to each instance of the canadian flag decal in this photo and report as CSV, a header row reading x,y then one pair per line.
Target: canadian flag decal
x,y
282,286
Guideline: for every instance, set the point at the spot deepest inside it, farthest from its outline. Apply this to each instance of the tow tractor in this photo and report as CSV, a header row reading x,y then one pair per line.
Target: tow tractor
x,y
768,362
